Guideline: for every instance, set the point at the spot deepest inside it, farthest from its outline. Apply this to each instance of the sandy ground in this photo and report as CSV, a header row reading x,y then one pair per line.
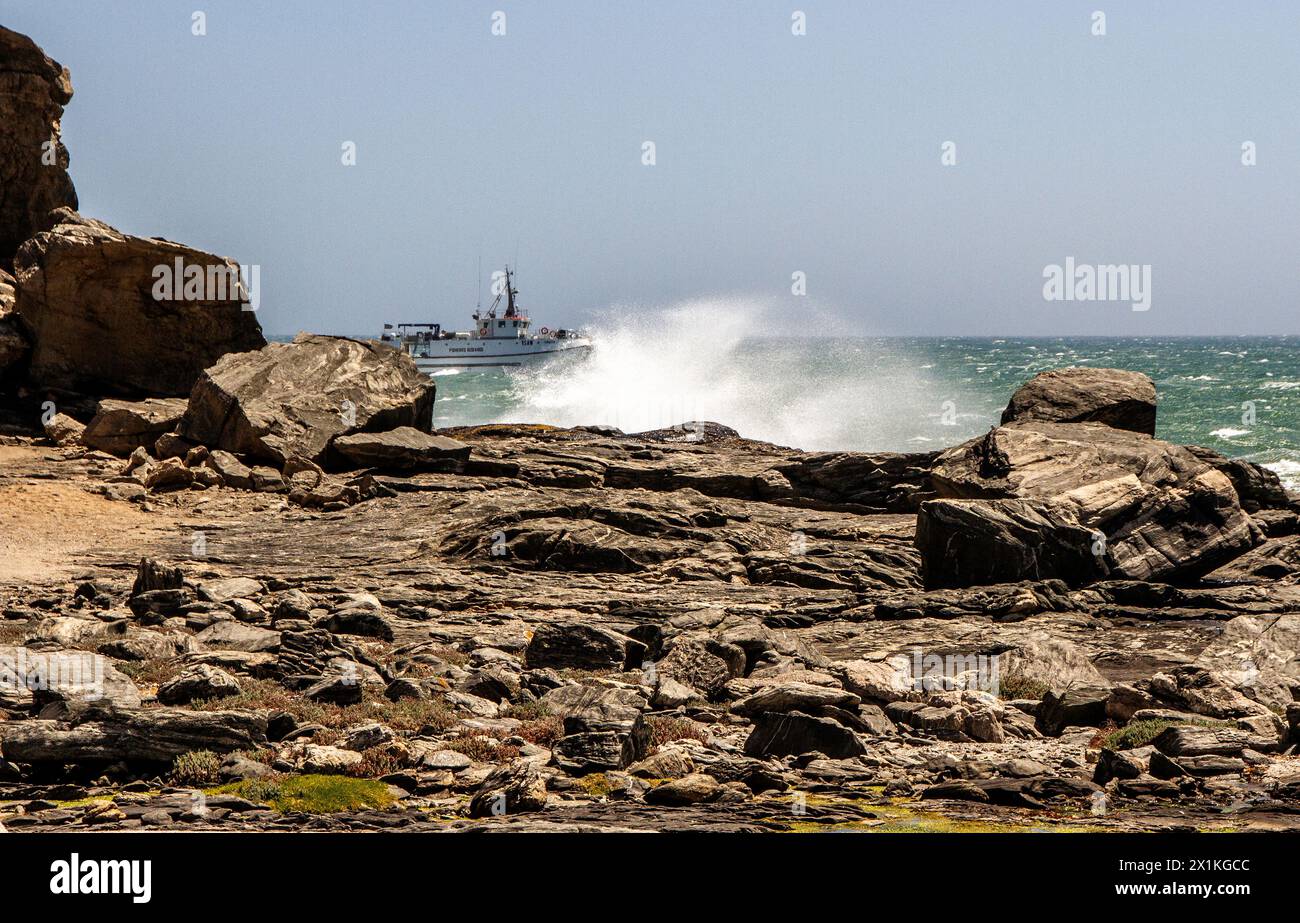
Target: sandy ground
x,y
48,527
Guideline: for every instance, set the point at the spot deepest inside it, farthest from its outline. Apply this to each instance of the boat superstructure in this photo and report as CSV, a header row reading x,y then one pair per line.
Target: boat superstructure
x,y
502,335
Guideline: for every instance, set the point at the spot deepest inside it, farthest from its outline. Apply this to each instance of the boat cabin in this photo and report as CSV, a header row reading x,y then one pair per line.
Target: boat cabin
x,y
513,324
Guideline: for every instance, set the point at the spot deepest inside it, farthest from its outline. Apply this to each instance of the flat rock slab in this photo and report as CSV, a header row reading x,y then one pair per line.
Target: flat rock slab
x,y
230,588
402,449
236,636
153,734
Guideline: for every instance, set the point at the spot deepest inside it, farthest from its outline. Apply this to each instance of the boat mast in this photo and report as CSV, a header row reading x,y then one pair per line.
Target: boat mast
x,y
510,295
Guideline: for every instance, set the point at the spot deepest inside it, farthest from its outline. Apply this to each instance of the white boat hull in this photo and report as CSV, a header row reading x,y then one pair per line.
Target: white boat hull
x,y
441,354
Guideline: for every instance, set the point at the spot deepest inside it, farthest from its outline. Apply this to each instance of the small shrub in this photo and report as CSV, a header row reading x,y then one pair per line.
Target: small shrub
x,y
482,749
1140,733
413,714
198,767
1016,685
665,728
152,672
404,715
380,761
597,785
526,711
545,732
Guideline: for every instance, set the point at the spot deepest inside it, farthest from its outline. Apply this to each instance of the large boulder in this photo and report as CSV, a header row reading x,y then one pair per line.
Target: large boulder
x,y
1124,400
33,161
603,727
290,399
201,681
793,733
63,430
121,427
1156,511
581,647
514,788
89,296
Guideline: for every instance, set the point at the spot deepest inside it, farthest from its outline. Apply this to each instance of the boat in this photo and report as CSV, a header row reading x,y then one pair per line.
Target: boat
x,y
502,335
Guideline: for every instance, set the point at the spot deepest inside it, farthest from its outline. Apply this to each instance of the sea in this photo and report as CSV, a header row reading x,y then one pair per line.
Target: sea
x,y
1238,395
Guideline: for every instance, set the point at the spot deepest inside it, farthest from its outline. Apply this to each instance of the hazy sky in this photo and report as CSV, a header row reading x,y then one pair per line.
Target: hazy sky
x,y
775,153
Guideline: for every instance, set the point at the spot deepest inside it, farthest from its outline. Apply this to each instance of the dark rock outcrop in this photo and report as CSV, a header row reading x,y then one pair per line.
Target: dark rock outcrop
x,y
884,482
582,647
291,399
603,727
33,161
87,298
793,733
1162,513
1124,400
979,542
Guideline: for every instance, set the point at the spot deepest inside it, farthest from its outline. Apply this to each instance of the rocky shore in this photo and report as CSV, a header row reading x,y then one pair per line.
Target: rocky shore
x,y
244,587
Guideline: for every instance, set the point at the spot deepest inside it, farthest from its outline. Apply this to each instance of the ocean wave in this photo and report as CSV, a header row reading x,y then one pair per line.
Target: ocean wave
x,y
654,368
1229,433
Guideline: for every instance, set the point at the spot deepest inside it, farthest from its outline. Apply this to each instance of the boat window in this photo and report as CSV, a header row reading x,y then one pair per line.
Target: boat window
x,y
501,323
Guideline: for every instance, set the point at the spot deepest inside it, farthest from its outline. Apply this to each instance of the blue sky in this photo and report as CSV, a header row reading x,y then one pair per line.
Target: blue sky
x,y
775,153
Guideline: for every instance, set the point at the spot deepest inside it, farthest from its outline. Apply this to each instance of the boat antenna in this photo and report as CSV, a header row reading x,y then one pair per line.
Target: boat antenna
x,y
478,288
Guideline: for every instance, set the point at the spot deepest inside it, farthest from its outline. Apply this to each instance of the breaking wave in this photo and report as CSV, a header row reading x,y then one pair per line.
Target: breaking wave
x,y
727,360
